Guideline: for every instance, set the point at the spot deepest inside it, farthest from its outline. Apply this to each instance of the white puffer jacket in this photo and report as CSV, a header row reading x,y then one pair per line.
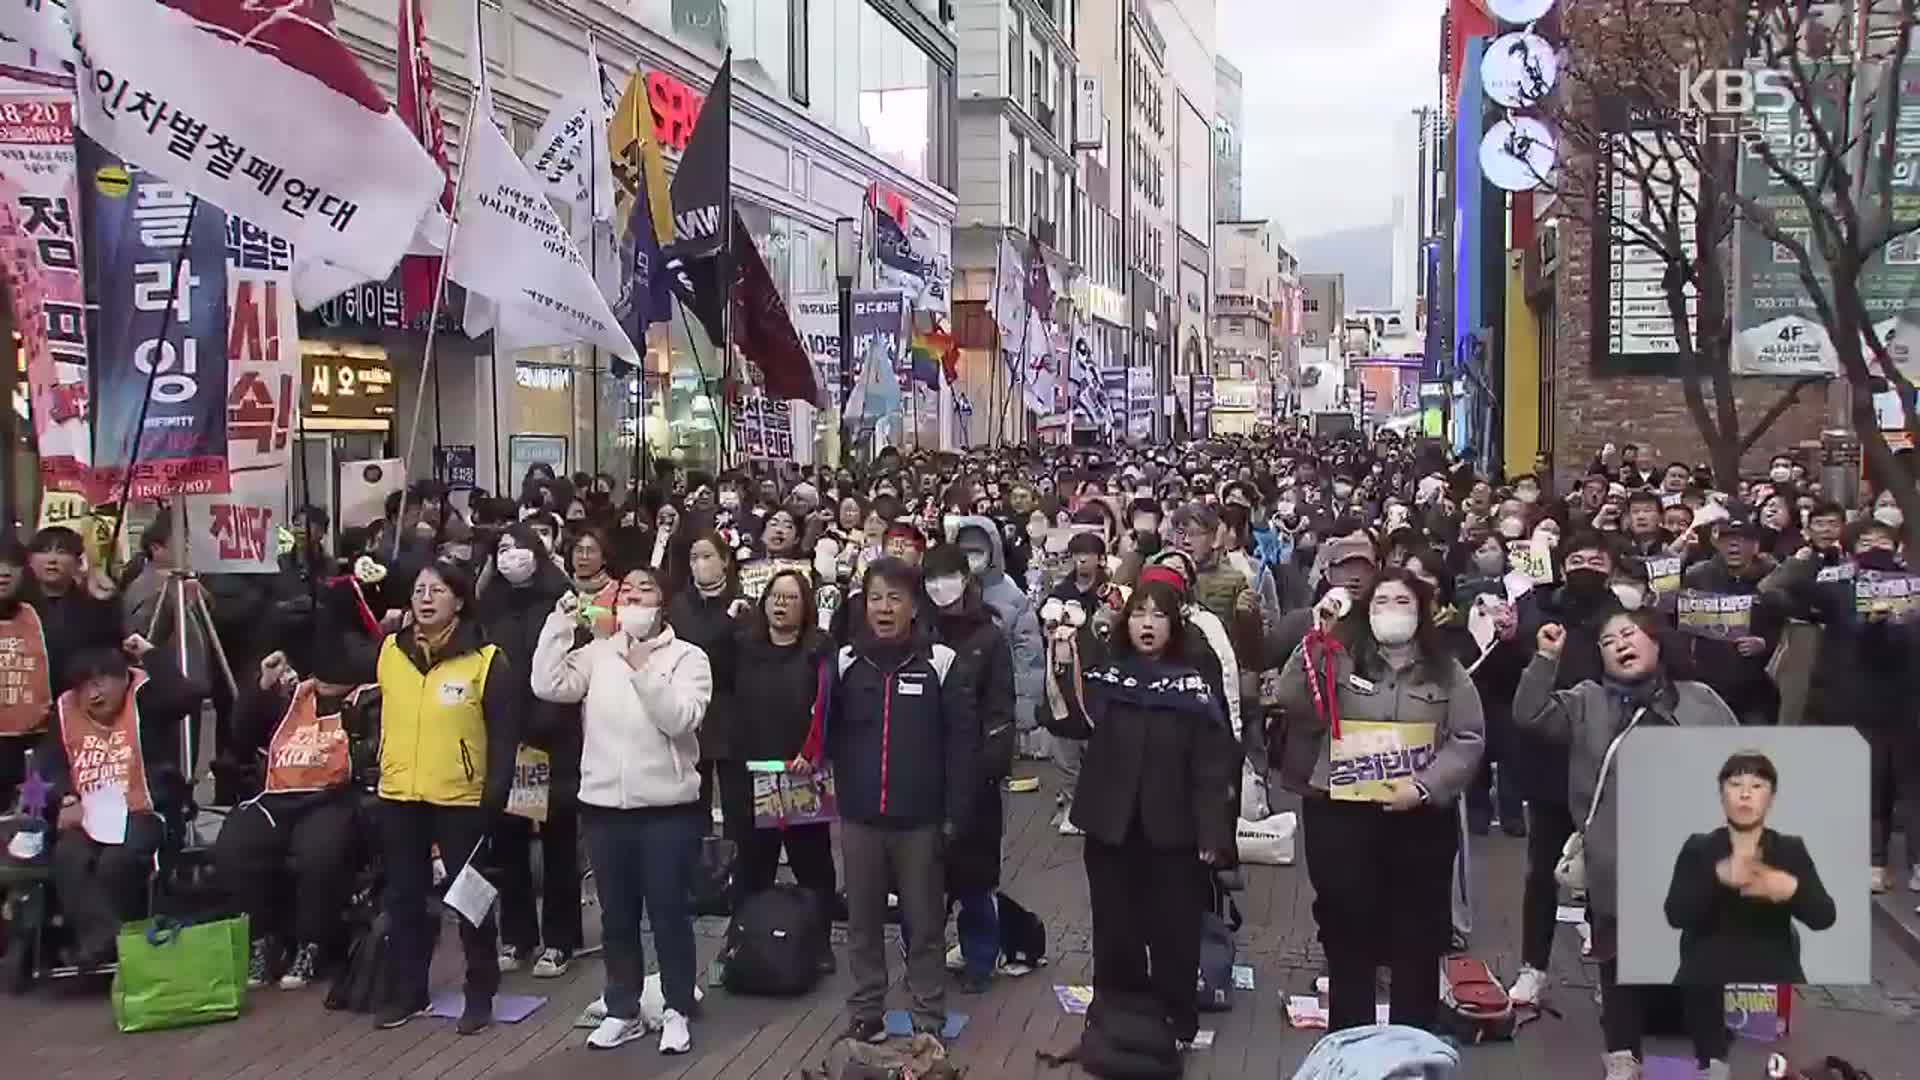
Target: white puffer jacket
x,y
641,745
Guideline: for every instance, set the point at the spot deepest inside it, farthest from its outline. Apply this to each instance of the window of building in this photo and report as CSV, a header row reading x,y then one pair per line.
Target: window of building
x,y
1041,197
872,83
1236,277
758,31
1016,206
1016,52
797,82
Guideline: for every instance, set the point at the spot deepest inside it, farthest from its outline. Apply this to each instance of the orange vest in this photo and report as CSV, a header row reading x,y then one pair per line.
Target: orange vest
x,y
308,752
105,759
26,689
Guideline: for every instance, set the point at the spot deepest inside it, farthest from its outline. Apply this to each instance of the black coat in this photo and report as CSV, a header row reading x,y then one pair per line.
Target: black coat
x,y
72,623
703,621
1152,773
1741,680
773,710
983,666
1728,938
511,616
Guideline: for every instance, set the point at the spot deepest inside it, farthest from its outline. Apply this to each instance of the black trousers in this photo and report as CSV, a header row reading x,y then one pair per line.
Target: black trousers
x,y
104,885
408,833
1483,795
556,923
1548,826
736,799
13,766
1147,907
1380,896
304,853
1894,760
809,855
1623,1009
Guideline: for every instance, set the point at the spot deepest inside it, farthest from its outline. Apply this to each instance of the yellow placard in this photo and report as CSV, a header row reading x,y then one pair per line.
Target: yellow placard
x,y
1369,756
532,784
66,509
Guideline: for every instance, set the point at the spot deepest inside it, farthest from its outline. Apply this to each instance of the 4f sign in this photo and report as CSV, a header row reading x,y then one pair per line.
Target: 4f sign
x,y
1735,91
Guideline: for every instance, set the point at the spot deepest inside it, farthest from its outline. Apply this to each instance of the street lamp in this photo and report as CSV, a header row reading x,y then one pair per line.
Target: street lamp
x,y
846,259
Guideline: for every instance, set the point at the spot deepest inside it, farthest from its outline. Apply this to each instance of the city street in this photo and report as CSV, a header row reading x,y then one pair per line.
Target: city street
x,y
66,1034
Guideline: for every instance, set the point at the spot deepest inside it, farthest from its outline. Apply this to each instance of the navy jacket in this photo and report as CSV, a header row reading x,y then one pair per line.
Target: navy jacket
x,y
901,736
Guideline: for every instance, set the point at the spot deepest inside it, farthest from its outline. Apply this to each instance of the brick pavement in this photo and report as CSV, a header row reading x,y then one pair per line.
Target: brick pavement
x,y
66,1033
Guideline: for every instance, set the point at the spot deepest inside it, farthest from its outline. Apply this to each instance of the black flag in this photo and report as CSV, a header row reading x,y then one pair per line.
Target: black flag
x,y
700,185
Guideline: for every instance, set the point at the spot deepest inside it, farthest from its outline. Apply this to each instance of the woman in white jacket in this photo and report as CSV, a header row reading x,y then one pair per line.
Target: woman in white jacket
x,y
644,692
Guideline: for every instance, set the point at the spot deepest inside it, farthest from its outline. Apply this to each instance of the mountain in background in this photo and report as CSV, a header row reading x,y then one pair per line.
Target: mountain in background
x,y
1363,253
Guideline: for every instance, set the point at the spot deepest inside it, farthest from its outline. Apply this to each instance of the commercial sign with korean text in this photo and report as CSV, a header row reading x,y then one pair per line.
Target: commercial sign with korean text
x,y
347,387
152,255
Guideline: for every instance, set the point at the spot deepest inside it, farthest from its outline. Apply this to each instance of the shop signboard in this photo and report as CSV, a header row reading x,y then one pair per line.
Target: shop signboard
x,y
153,255
1113,381
40,260
526,451
355,387
1139,405
1634,325
1202,406
1238,395
457,466
1776,328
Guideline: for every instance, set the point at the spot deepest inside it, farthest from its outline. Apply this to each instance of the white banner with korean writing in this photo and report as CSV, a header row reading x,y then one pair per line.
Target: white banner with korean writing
x,y
263,348
238,532
260,110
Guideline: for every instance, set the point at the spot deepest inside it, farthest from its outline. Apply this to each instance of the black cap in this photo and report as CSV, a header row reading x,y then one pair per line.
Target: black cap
x,y
1087,543
1740,521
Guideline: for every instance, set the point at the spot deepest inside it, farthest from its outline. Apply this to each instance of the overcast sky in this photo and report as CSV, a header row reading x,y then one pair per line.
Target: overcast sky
x,y
1326,85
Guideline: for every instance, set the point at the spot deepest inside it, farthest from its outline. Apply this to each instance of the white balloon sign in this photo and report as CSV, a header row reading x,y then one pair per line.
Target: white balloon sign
x,y
1518,70
1518,154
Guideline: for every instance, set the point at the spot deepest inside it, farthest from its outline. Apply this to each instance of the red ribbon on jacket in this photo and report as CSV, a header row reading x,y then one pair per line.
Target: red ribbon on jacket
x,y
1321,679
360,600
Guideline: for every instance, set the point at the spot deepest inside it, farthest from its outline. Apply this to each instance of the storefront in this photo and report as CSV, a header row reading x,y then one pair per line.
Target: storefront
x,y
1236,406
1152,328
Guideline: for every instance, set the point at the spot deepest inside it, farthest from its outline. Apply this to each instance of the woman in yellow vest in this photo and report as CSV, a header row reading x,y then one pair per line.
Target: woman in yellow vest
x,y
447,739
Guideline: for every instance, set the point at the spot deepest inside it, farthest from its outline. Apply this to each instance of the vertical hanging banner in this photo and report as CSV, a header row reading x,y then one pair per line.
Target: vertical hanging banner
x,y
40,258
1114,382
137,225
1139,405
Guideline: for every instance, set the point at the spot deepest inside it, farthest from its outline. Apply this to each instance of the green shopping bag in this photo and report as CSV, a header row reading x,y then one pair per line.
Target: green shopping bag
x,y
176,973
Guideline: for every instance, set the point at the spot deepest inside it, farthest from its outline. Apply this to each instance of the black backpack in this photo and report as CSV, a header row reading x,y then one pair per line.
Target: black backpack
x,y
1023,937
1214,988
774,943
1128,1037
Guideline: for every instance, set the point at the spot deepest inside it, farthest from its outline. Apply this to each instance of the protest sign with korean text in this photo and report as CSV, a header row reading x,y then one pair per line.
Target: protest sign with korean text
x,y
1368,758
153,255
40,259
237,532
1885,594
1725,616
263,348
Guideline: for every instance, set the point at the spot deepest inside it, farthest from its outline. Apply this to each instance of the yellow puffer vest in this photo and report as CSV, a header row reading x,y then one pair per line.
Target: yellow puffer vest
x,y
433,734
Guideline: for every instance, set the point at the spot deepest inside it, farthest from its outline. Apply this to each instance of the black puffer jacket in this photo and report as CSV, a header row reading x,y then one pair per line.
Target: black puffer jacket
x,y
511,617
703,621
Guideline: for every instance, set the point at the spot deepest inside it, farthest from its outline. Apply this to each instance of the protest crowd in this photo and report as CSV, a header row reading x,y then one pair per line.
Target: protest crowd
x,y
671,693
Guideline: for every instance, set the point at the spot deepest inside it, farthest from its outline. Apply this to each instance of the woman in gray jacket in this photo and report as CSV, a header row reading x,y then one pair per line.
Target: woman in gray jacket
x,y
1385,733
1635,689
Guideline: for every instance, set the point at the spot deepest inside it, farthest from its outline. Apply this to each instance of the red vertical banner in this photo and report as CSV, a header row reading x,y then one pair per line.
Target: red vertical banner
x,y
420,274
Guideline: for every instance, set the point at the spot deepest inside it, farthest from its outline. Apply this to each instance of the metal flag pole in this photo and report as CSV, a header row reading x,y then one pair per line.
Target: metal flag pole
x,y
596,101
440,279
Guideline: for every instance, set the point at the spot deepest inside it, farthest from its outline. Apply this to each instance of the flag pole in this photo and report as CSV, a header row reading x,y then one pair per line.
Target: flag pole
x,y
727,284
597,101
440,279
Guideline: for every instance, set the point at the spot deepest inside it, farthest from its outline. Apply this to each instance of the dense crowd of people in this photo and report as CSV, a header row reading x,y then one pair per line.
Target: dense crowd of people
x,y
1418,652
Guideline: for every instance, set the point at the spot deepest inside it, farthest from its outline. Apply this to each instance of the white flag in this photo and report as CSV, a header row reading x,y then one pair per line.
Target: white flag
x,y
35,34
261,111
509,246
1009,293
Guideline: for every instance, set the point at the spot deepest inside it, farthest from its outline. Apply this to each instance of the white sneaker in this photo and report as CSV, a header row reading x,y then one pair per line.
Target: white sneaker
x,y
552,964
955,961
1879,880
1717,1070
1067,827
675,1036
1621,1065
614,1031
1529,989
1913,879
510,959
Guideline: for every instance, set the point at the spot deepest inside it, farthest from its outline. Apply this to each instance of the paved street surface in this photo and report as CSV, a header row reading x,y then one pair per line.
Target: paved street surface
x,y
66,1033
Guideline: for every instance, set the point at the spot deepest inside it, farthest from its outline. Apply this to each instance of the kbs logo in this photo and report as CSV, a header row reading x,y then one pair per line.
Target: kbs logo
x,y
1721,92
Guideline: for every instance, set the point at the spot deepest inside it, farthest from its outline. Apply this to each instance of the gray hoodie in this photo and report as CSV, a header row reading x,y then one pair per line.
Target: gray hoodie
x,y
1586,718
1014,612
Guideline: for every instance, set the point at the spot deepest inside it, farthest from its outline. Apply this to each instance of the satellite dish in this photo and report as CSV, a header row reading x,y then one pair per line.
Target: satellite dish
x,y
1518,154
1519,70
1519,11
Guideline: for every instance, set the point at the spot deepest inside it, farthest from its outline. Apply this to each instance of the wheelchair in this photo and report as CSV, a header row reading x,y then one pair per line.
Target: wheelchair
x,y
179,882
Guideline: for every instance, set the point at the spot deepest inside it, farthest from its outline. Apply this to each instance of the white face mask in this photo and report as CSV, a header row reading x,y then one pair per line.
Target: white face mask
x,y
946,591
729,500
1631,596
1890,516
1780,474
978,562
1287,508
1393,627
516,564
639,622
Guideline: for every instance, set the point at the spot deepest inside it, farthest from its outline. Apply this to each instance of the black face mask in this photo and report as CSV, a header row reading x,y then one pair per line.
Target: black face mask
x,y
1586,586
1878,559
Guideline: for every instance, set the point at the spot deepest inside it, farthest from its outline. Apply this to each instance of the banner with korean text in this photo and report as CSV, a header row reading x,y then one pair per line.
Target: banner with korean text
x,y
137,225
40,259
238,532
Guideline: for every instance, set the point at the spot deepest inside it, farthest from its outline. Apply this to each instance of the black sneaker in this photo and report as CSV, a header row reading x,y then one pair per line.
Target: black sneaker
x,y
975,984
475,1017
259,963
871,1032
1515,825
393,1016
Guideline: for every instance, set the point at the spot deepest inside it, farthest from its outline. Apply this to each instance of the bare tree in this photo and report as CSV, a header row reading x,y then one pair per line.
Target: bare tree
x,y
1622,128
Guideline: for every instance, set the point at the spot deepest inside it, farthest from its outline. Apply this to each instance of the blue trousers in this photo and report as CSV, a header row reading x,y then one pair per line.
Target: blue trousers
x,y
643,867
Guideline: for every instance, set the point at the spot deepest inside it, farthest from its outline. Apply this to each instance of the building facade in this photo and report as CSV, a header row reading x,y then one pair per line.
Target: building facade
x,y
1152,257
1228,118
1246,275
830,98
1323,363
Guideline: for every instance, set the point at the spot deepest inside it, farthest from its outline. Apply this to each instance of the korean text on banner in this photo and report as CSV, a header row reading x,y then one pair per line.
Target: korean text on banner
x,y
40,258
237,533
1726,616
1368,758
816,316
263,349
137,225
260,110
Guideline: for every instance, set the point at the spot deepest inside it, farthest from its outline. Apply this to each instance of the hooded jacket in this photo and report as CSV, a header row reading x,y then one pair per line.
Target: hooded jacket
x,y
1013,610
639,727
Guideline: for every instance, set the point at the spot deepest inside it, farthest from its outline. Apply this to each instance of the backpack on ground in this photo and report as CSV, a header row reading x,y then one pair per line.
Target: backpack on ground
x,y
358,985
774,942
1128,1037
1023,937
1475,1007
1214,988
